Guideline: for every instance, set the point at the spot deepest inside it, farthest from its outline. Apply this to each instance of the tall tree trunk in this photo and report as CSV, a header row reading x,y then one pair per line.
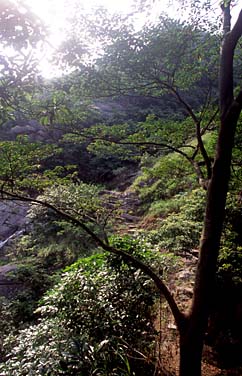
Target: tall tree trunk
x,y
191,345
192,336
191,339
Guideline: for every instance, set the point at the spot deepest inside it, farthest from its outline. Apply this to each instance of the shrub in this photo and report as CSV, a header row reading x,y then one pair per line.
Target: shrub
x,y
96,321
180,231
57,242
170,175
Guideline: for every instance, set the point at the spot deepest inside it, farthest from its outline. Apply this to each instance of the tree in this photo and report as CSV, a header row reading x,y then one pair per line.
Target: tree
x,y
192,333
21,33
162,62
192,325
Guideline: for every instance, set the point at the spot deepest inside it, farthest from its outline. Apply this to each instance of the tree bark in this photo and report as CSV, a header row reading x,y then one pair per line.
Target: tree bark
x,y
191,346
192,327
192,337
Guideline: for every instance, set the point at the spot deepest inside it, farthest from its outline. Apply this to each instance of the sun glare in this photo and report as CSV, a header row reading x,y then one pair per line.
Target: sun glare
x,y
55,14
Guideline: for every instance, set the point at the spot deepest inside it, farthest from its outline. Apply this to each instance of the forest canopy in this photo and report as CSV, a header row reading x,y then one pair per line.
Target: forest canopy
x,y
126,168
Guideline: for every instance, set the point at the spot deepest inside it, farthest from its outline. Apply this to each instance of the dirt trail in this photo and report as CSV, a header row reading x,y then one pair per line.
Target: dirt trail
x,y
181,284
127,206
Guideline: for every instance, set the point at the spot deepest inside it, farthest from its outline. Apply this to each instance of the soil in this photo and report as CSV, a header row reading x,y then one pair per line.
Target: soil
x,y
180,283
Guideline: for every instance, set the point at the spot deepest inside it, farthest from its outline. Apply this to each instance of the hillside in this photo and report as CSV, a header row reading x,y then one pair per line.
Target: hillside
x,y
120,192
134,216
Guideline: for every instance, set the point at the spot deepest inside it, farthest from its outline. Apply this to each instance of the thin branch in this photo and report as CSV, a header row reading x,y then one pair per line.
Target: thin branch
x,y
157,144
198,132
204,129
196,121
161,286
203,150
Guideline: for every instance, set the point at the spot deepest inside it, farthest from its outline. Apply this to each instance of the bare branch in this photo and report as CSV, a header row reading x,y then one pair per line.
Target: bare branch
x,y
161,286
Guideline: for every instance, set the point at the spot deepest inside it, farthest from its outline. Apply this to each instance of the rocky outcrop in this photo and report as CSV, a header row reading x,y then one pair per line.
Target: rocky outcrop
x,y
31,128
13,221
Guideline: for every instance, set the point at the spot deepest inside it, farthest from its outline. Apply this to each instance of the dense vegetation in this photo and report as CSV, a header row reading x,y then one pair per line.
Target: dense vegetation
x,y
115,160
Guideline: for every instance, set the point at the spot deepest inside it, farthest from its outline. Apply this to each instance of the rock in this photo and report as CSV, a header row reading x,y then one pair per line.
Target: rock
x,y
13,222
8,287
35,131
184,275
186,291
129,217
12,218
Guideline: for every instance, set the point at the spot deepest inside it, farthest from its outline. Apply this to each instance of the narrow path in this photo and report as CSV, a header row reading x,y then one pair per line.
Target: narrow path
x,y
127,206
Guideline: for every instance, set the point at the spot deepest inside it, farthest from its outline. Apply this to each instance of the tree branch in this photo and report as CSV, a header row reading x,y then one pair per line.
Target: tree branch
x,y
198,131
191,160
161,286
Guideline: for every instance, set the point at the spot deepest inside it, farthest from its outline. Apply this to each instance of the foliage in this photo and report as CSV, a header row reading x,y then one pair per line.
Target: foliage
x,y
7,324
180,230
35,281
52,243
98,318
19,26
230,265
50,349
165,178
169,174
159,63
52,104
223,333
162,61
230,258
235,183
79,200
145,61
132,139
17,311
21,33
21,164
55,242
93,322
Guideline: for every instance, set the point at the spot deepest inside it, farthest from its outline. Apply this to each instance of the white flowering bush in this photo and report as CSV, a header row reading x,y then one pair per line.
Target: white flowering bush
x,y
97,321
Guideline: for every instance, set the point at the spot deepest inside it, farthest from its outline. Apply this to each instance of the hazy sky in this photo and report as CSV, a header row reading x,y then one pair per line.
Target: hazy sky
x,y
55,13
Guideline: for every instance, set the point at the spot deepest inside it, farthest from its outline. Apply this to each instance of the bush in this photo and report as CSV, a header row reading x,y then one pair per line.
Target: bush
x,y
57,242
180,231
96,321
224,333
170,175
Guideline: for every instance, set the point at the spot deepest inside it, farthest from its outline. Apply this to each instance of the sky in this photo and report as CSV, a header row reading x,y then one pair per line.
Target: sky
x,y
55,13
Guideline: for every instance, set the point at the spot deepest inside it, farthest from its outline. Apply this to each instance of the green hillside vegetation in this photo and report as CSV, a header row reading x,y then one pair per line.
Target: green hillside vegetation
x,y
129,164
